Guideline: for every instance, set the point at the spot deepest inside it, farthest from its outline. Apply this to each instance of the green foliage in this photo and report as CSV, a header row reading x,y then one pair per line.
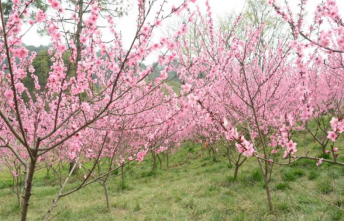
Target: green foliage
x,y
41,65
189,191
325,186
283,186
336,215
313,175
291,174
256,176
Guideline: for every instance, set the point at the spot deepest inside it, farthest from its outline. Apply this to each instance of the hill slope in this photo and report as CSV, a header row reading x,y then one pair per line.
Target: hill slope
x,y
195,187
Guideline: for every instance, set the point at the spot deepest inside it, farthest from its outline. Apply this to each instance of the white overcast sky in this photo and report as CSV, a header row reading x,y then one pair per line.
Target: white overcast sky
x,y
127,23
220,8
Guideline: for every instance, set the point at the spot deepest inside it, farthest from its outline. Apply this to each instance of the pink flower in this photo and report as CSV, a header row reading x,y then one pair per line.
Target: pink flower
x,y
106,99
20,87
85,107
40,16
270,160
331,135
291,147
334,122
22,52
225,122
54,4
285,154
157,23
335,149
274,151
192,98
163,75
186,88
319,162
145,30
171,46
9,95
245,147
232,134
75,107
83,39
62,48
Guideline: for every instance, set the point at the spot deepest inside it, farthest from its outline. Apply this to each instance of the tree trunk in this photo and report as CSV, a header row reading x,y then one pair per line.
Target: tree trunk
x,y
159,161
214,155
122,167
154,163
268,192
18,191
167,160
71,165
236,172
267,186
324,150
106,196
28,187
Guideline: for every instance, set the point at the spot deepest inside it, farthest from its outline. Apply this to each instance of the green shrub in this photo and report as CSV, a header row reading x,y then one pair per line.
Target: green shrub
x,y
289,174
257,175
336,215
313,175
283,186
324,187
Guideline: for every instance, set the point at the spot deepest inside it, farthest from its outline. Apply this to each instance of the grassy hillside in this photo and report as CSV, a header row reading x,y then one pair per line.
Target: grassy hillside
x,y
194,187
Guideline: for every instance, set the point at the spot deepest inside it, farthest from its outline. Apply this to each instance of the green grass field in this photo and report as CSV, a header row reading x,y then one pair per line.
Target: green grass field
x,y
194,187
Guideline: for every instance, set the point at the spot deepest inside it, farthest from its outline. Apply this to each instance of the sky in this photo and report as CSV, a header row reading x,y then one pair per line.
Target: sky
x,y
220,8
127,23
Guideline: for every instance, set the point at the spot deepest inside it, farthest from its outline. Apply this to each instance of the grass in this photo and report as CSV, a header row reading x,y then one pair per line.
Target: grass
x,y
193,188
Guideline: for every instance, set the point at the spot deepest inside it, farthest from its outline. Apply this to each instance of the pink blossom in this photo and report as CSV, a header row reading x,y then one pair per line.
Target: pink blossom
x,y
334,122
75,106
225,122
40,16
163,75
192,98
22,52
83,39
9,95
158,23
20,87
61,48
54,4
85,107
291,147
331,135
